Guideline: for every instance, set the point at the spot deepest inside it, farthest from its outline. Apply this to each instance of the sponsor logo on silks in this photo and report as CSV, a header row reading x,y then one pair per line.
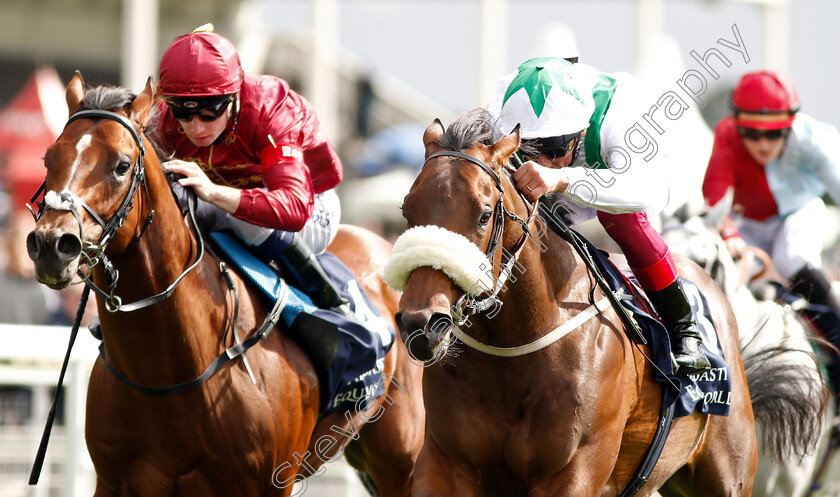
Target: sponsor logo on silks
x,y
538,76
289,151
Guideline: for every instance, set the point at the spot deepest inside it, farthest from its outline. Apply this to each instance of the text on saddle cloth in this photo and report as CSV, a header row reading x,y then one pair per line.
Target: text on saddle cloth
x,y
708,392
349,356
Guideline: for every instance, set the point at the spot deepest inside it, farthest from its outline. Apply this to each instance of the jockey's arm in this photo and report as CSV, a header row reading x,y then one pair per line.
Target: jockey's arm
x,y
288,199
224,197
630,187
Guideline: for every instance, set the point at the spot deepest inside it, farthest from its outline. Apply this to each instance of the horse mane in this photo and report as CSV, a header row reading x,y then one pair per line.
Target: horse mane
x,y
471,128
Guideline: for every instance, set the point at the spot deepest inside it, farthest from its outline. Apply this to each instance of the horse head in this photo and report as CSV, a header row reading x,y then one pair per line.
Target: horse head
x,y
94,170
454,247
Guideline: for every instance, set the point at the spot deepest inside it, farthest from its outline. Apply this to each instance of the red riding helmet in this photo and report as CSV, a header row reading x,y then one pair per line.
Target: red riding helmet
x,y
200,64
765,92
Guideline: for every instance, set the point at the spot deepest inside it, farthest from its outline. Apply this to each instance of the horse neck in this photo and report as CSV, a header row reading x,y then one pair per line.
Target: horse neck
x,y
544,273
172,340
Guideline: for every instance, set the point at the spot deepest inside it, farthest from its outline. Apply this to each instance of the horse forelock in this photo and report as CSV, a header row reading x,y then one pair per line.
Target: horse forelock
x,y
114,98
107,97
472,128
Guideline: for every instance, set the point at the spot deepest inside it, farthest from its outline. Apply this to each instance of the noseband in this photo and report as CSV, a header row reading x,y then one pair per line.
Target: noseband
x,y
467,304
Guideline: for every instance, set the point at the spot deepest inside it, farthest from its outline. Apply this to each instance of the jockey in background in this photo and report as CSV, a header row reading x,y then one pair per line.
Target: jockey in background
x,y
574,121
252,150
779,163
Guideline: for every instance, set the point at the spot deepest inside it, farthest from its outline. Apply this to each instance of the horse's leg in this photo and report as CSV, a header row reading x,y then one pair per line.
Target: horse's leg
x,y
391,439
725,462
338,430
437,476
375,441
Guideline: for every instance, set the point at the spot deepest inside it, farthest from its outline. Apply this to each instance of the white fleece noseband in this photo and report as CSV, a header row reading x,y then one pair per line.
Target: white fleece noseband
x,y
441,249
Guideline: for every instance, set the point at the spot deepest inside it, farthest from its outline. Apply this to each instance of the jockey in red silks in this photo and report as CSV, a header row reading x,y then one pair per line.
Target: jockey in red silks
x,y
252,150
574,122
779,163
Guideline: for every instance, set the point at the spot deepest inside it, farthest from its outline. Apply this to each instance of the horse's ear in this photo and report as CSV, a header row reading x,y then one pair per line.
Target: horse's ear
x,y
504,148
141,106
431,138
75,93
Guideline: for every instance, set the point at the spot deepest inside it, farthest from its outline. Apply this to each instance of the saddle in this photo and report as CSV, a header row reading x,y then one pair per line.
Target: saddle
x,y
348,354
708,392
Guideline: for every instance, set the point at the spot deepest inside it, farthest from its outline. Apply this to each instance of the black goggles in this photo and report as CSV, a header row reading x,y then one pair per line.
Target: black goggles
x,y
753,134
207,109
555,146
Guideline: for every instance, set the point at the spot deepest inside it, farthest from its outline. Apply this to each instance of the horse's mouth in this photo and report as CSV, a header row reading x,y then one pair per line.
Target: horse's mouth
x,y
56,258
56,274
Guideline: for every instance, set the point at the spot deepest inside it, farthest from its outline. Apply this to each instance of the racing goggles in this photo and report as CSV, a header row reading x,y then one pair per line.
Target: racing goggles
x,y
556,146
754,134
206,109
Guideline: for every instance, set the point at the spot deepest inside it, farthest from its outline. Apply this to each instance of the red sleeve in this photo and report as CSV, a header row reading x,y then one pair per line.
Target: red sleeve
x,y
720,175
288,202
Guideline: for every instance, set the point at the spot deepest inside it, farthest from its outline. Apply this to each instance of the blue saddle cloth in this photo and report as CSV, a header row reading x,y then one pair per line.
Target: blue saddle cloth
x,y
708,392
349,356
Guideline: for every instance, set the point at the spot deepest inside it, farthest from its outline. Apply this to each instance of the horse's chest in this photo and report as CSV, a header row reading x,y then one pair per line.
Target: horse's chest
x,y
505,424
177,444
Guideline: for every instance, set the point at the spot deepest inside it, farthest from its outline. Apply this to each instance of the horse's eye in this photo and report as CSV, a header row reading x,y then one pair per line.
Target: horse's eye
x,y
485,217
123,167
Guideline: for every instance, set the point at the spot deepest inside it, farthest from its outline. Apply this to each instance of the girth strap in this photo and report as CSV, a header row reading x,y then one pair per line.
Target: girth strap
x,y
230,353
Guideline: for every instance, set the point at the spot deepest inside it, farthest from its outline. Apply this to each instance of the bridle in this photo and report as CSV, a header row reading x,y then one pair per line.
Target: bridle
x,y
113,303
467,304
94,252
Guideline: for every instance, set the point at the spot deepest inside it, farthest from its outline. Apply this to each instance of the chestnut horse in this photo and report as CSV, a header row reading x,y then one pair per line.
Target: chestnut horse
x,y
574,418
231,435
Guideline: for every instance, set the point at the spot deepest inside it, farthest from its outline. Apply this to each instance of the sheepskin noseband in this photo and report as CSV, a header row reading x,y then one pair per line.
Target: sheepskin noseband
x,y
443,250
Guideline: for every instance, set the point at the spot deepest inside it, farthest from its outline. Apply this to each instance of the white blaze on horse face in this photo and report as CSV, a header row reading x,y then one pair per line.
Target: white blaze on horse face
x,y
66,200
81,146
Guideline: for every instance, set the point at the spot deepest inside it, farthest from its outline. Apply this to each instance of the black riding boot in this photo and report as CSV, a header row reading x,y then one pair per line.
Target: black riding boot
x,y
672,306
307,274
812,284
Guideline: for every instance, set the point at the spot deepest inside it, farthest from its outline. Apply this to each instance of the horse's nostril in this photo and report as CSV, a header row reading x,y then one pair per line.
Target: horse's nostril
x,y
68,246
439,324
34,242
412,321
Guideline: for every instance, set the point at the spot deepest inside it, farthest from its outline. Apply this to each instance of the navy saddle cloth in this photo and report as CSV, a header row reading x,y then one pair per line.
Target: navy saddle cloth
x,y
707,392
349,356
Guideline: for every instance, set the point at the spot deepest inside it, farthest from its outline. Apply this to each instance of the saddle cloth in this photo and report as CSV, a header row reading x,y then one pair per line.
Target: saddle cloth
x,y
348,356
707,392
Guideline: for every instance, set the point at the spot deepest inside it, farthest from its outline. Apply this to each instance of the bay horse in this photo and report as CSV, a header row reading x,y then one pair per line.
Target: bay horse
x,y
232,435
574,418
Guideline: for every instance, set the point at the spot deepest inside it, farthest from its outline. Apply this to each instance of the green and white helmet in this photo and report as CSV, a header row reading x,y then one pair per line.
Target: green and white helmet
x,y
544,97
